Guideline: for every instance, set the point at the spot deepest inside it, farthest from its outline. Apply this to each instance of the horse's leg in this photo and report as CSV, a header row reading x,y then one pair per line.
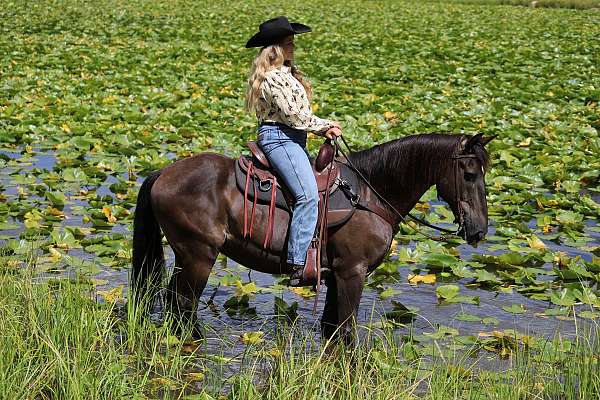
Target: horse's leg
x,y
329,320
194,261
344,290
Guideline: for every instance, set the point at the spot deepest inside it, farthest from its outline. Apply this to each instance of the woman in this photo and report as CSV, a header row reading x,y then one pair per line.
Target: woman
x,y
280,96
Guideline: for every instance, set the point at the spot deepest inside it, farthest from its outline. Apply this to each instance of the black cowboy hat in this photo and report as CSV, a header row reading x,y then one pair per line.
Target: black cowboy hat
x,y
271,31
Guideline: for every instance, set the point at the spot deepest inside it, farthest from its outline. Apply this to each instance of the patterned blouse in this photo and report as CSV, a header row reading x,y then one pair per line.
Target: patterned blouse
x,y
283,99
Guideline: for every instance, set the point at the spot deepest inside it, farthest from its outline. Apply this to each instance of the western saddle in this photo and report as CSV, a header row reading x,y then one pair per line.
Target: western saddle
x,y
259,183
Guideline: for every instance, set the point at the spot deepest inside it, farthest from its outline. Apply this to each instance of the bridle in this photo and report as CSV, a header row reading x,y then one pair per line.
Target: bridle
x,y
457,196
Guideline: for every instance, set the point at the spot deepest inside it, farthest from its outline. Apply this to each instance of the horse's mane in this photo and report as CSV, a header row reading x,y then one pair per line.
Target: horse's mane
x,y
411,160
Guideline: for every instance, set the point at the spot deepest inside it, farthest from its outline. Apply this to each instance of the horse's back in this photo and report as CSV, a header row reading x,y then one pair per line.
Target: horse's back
x,y
194,174
193,190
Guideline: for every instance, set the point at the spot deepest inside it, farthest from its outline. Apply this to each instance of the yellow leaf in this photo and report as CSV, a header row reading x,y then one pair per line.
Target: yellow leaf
x,y
22,192
102,166
170,340
274,352
525,143
108,214
55,255
303,291
185,153
32,219
561,259
65,128
247,289
389,115
191,346
536,243
252,337
422,206
539,204
315,108
113,295
226,90
162,383
109,99
55,212
394,248
98,282
196,376
415,279
496,334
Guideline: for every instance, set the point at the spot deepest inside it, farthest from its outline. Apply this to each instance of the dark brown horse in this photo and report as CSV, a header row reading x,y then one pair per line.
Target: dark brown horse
x,y
196,204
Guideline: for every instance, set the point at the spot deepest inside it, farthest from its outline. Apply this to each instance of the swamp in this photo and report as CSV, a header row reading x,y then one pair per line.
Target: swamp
x,y
94,96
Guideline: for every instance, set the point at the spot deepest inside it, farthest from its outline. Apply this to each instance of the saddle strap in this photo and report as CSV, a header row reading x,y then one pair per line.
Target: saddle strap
x,y
322,240
269,233
246,187
254,203
375,208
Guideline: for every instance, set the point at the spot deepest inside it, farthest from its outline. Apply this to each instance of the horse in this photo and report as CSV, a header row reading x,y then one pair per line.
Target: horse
x,y
197,206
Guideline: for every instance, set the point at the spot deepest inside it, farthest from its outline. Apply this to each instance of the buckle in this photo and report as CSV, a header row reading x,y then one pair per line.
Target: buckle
x,y
263,188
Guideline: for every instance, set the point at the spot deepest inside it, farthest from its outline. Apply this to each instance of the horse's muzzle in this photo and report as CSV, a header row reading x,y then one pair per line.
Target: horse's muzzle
x,y
474,226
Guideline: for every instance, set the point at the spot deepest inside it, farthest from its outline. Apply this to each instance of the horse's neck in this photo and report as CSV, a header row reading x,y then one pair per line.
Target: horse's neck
x,y
404,185
404,199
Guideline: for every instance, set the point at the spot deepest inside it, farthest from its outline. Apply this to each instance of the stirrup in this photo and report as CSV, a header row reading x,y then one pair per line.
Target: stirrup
x,y
296,279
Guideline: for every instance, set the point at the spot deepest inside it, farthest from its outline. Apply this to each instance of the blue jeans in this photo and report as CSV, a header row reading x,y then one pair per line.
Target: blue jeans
x,y
285,148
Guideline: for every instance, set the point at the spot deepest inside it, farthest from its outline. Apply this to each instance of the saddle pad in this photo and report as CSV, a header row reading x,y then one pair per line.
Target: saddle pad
x,y
340,206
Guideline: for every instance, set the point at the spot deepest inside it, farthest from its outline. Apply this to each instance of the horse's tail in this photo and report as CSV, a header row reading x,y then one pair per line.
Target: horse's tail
x,y
148,258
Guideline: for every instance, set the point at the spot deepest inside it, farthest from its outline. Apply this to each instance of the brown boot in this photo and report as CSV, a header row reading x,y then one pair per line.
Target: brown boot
x,y
305,275
297,276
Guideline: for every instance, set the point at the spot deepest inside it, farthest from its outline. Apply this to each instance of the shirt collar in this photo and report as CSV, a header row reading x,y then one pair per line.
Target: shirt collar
x,y
285,68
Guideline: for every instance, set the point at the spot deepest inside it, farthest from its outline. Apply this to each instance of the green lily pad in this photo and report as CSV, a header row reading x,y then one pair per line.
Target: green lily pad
x,y
514,309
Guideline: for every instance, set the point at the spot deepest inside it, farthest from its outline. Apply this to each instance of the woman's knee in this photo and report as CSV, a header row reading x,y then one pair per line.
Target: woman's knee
x,y
309,197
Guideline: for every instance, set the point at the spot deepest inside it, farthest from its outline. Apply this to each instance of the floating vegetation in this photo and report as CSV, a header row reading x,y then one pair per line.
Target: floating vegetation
x,y
95,96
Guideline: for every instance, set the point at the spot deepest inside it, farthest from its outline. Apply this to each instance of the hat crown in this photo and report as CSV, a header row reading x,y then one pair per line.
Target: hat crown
x,y
277,22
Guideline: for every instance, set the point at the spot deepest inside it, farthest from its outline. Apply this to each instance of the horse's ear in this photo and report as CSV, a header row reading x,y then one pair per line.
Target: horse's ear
x,y
473,140
486,139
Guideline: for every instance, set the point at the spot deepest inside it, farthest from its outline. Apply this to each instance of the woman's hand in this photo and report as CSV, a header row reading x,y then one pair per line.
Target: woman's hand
x,y
333,132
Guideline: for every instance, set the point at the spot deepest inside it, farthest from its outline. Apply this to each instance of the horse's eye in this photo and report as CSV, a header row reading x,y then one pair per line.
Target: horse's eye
x,y
470,177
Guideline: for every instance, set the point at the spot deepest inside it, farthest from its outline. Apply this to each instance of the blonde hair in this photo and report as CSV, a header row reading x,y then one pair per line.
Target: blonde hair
x,y
267,59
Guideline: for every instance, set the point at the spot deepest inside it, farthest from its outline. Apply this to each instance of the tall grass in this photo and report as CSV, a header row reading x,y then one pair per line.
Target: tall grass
x,y
383,368
58,342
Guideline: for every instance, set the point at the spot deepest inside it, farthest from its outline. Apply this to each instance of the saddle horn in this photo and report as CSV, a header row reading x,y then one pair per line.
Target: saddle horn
x,y
325,156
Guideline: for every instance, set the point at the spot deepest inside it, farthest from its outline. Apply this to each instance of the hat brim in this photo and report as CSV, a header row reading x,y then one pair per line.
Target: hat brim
x,y
262,39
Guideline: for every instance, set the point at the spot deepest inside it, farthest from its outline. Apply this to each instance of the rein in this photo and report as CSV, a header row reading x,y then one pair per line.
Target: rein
x,y
416,219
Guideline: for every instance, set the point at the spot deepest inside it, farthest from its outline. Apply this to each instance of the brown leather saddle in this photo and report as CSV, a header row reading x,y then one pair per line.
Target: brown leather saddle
x,y
258,182
327,178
